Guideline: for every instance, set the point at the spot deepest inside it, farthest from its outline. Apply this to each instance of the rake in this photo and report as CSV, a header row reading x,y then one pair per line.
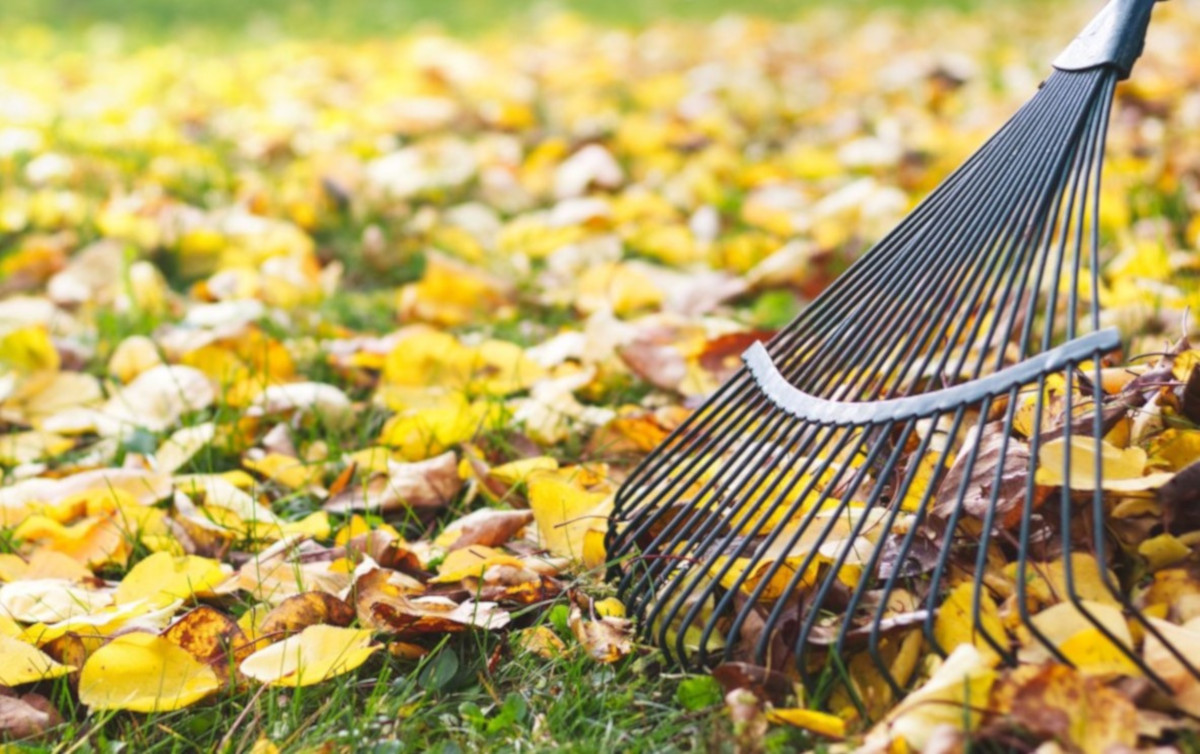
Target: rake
x,y
884,445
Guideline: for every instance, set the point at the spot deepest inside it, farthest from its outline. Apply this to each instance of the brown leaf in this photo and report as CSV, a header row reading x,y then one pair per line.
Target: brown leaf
x,y
211,637
659,363
1011,454
1076,710
300,611
423,485
723,355
1191,396
68,649
766,684
607,639
388,601
488,527
1180,500
26,716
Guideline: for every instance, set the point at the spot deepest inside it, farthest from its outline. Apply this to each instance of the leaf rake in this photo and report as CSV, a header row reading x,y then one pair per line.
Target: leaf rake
x,y
876,455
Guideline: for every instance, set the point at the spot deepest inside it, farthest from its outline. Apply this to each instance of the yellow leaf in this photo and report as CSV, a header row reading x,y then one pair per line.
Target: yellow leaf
x,y
1175,449
1163,551
565,512
24,663
163,578
515,472
618,287
292,473
314,655
28,349
144,673
610,607
956,695
179,448
1083,642
817,722
471,562
132,356
264,746
49,600
451,293
429,432
954,624
1122,469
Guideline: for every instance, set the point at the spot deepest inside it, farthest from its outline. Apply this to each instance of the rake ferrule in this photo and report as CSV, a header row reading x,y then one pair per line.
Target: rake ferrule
x,y
1114,38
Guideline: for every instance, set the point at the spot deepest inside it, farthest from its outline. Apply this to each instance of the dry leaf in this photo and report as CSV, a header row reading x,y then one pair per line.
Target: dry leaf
x,y
315,654
144,673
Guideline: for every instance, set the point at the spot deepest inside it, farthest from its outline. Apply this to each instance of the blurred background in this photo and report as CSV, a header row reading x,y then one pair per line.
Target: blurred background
x,y
340,18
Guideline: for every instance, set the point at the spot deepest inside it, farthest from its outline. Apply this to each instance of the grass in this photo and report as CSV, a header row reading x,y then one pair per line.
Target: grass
x,y
448,701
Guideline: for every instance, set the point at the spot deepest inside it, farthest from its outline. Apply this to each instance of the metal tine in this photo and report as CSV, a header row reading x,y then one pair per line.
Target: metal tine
x,y
832,576
963,248
1044,211
1097,430
891,249
1075,172
1035,441
667,445
688,463
709,509
902,556
859,273
1022,240
1042,237
699,573
892,244
989,234
989,523
1068,569
1092,140
751,507
777,611
739,407
711,525
830,435
943,560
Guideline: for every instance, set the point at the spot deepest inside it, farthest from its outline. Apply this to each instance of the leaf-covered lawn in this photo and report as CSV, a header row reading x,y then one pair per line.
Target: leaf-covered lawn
x,y
320,363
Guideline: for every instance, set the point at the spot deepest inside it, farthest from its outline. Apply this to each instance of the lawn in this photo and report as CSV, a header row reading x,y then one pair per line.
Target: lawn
x,y
328,331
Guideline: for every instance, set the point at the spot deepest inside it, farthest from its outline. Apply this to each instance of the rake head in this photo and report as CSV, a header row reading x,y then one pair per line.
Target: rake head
x,y
942,406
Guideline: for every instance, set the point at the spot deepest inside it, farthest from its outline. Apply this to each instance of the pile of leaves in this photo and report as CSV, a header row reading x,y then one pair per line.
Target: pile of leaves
x,y
312,354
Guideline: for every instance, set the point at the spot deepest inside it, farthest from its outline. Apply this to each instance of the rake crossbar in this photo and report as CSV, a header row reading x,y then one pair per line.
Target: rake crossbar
x,y
820,411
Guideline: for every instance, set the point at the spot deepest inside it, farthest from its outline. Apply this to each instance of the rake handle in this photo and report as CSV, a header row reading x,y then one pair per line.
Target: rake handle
x,y
1114,38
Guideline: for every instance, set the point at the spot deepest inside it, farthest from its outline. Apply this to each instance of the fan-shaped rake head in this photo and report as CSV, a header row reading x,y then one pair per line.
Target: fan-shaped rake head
x,y
941,407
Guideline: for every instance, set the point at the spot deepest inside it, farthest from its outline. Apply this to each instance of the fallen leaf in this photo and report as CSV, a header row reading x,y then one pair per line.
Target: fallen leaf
x,y
144,673
24,663
821,723
1075,710
488,527
300,611
316,654
605,640
566,513
423,485
27,716
211,637
1122,469
164,578
1185,639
